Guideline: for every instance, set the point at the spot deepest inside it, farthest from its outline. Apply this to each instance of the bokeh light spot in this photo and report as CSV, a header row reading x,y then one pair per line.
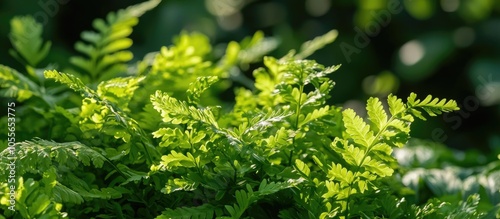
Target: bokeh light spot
x,y
411,52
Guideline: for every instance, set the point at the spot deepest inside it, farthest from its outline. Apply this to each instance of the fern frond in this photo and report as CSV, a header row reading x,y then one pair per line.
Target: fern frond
x,y
174,159
39,155
72,82
311,46
304,72
106,49
243,201
262,121
267,188
314,115
432,106
199,86
63,194
26,38
178,112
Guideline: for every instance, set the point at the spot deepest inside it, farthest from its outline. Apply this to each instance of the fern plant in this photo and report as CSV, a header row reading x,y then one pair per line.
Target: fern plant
x,y
152,140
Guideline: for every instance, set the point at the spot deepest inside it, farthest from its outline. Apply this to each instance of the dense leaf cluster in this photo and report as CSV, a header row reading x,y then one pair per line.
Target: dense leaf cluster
x,y
151,139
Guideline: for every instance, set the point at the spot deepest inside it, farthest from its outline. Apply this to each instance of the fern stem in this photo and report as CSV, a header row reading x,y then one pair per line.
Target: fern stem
x,y
297,111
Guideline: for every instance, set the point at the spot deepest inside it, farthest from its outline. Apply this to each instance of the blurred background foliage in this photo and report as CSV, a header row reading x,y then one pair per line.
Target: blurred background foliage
x,y
448,48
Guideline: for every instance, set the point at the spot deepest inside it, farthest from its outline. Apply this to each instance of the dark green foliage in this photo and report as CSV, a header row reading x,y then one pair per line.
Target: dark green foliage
x,y
154,143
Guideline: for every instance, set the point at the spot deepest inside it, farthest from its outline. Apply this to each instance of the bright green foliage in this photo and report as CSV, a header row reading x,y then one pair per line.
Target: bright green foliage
x,y
15,85
33,199
158,143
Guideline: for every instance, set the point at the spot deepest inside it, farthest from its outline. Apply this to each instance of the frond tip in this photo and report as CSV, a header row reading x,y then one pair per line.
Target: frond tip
x,y
432,106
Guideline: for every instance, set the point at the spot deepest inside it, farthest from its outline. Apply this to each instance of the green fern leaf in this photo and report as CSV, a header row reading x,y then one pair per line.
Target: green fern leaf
x,y
40,155
333,189
314,115
119,90
357,129
106,49
383,151
396,105
377,167
175,159
262,121
200,85
432,106
266,188
376,114
243,201
340,173
178,112
72,82
63,194
253,48
302,167
26,37
309,47
353,155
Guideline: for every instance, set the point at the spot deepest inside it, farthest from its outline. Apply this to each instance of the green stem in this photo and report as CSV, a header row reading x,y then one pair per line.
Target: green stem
x,y
297,111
